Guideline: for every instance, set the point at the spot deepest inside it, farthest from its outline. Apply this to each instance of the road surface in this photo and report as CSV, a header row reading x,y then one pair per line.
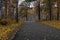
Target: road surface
x,y
37,31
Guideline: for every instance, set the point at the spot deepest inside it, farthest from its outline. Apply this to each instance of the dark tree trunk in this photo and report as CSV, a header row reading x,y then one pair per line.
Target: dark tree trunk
x,y
26,15
39,10
49,9
9,9
5,9
17,11
1,5
58,12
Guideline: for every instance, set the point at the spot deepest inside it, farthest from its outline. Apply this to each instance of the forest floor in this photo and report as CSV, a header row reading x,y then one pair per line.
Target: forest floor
x,y
6,30
53,23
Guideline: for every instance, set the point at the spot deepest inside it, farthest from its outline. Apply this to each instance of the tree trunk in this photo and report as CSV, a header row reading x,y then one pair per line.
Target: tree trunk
x,y
58,11
17,11
1,5
9,9
26,16
39,10
5,9
49,9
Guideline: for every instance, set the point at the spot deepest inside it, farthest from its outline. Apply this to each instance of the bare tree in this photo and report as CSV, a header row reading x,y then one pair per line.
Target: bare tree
x,y
58,4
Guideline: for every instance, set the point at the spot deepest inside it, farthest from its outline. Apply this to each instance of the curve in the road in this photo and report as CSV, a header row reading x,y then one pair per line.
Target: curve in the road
x,y
37,31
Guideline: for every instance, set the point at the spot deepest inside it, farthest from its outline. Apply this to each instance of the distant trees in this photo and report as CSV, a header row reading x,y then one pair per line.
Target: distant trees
x,y
38,1
49,8
7,8
23,12
10,8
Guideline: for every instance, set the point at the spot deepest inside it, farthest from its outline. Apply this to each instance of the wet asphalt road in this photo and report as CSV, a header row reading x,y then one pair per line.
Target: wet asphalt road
x,y
37,31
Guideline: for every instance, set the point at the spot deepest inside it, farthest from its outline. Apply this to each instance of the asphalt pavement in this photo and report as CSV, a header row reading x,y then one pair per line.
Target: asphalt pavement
x,y
37,31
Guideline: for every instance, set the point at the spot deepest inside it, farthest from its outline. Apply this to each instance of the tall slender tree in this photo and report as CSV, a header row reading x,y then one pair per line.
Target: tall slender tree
x,y
58,11
17,11
5,4
1,5
39,9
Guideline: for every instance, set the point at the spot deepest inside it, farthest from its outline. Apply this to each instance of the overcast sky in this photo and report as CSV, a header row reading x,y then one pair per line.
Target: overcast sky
x,y
20,1
31,4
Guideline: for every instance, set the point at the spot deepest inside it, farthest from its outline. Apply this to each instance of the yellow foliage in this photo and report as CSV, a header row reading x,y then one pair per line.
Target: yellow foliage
x,y
53,23
6,30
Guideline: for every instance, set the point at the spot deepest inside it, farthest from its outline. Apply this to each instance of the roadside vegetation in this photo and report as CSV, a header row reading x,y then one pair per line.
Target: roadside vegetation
x,y
44,9
6,29
53,23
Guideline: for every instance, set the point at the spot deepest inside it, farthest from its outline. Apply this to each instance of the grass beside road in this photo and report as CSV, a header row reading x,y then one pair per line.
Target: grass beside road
x,y
53,23
6,30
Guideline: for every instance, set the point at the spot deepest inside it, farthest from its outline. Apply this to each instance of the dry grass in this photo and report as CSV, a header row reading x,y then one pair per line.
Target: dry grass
x,y
6,30
53,23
